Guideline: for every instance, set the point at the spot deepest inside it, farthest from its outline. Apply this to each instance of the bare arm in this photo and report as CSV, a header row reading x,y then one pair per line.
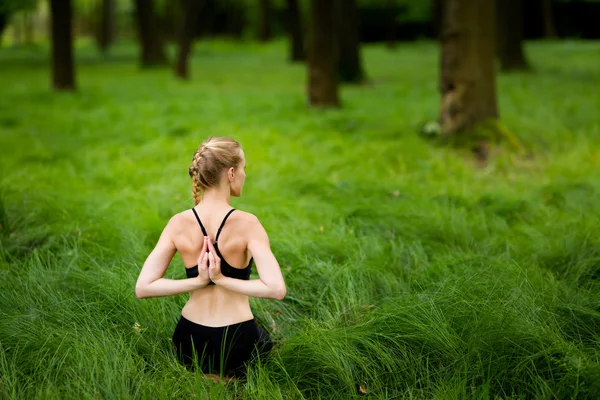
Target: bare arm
x,y
151,283
270,283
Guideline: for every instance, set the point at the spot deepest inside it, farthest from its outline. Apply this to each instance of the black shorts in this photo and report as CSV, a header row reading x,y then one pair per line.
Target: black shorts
x,y
223,350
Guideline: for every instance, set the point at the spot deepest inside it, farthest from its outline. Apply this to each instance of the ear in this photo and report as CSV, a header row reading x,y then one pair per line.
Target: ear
x,y
231,173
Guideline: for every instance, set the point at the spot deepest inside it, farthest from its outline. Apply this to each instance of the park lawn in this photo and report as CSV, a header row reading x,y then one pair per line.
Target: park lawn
x,y
411,272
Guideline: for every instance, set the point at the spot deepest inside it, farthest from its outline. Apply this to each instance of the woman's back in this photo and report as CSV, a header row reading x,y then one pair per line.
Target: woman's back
x,y
215,305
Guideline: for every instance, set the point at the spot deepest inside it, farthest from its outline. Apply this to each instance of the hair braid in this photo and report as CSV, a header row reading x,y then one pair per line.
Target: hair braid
x,y
194,174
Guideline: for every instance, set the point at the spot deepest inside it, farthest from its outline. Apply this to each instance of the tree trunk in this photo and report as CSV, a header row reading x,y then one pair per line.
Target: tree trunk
x,y
437,12
189,16
63,76
153,52
467,79
297,52
28,28
323,54
264,20
510,35
350,63
548,15
3,23
391,40
106,25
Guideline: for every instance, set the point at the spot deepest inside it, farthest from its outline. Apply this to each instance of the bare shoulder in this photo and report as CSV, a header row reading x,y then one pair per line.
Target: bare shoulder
x,y
247,219
178,222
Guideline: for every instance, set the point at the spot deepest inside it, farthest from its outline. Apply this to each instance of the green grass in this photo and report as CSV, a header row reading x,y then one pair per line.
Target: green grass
x,y
410,272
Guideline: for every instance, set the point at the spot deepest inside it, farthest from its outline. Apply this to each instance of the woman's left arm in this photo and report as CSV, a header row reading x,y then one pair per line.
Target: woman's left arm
x,y
151,283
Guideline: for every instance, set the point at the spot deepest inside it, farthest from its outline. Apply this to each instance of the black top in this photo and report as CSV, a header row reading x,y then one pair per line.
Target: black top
x,y
226,269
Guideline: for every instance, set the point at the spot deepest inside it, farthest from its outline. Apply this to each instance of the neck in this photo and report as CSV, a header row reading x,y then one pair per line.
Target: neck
x,y
217,195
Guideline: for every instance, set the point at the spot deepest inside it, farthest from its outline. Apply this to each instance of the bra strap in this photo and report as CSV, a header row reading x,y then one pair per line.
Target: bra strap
x,y
198,218
223,223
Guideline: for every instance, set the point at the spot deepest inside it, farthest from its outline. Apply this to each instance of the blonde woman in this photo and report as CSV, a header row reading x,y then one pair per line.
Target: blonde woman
x,y
218,246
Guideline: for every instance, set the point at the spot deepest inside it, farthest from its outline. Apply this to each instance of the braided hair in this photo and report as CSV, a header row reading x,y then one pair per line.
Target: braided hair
x,y
212,157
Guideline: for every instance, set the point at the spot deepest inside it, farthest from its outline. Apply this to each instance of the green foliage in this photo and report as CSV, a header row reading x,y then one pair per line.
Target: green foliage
x,y
410,273
12,6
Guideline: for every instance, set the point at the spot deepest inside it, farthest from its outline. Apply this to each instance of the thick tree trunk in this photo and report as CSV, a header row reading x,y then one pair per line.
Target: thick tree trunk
x,y
468,81
297,52
350,63
153,52
106,25
510,35
264,20
548,15
189,17
323,54
63,70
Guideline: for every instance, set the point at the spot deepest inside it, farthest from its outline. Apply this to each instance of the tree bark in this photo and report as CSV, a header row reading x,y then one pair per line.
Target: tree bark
x,y
548,15
467,79
510,35
323,54
153,51
264,20
350,64
297,52
106,25
63,70
189,17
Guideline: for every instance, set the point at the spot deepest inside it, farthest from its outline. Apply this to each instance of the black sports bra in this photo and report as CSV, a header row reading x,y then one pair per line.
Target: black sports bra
x,y
226,269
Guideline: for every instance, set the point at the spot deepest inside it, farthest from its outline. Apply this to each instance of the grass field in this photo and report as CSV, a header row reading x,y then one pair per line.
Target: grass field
x,y
410,272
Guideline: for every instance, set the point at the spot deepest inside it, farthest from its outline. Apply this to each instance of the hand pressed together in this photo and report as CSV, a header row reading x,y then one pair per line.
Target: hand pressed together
x,y
203,262
214,267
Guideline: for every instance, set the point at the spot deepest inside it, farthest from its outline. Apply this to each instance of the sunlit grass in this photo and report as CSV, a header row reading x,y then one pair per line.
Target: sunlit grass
x,y
411,273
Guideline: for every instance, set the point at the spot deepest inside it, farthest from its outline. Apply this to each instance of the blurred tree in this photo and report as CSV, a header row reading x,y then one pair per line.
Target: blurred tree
x,y
297,52
467,78
264,20
189,17
510,35
10,7
391,6
63,74
106,25
323,53
350,62
548,15
153,51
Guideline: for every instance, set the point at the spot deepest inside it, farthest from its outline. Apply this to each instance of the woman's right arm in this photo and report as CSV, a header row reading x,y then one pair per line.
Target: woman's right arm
x,y
151,283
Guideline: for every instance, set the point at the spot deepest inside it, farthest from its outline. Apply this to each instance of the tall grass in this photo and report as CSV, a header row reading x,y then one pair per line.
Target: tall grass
x,y
411,273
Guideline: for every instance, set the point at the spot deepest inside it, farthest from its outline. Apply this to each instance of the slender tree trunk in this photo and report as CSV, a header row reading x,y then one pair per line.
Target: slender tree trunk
x,y
189,16
63,70
350,63
297,52
28,28
391,41
153,52
548,15
264,20
510,35
437,12
106,25
468,81
3,23
323,54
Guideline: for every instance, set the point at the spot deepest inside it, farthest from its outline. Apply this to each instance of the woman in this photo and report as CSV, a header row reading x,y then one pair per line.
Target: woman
x,y
218,245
